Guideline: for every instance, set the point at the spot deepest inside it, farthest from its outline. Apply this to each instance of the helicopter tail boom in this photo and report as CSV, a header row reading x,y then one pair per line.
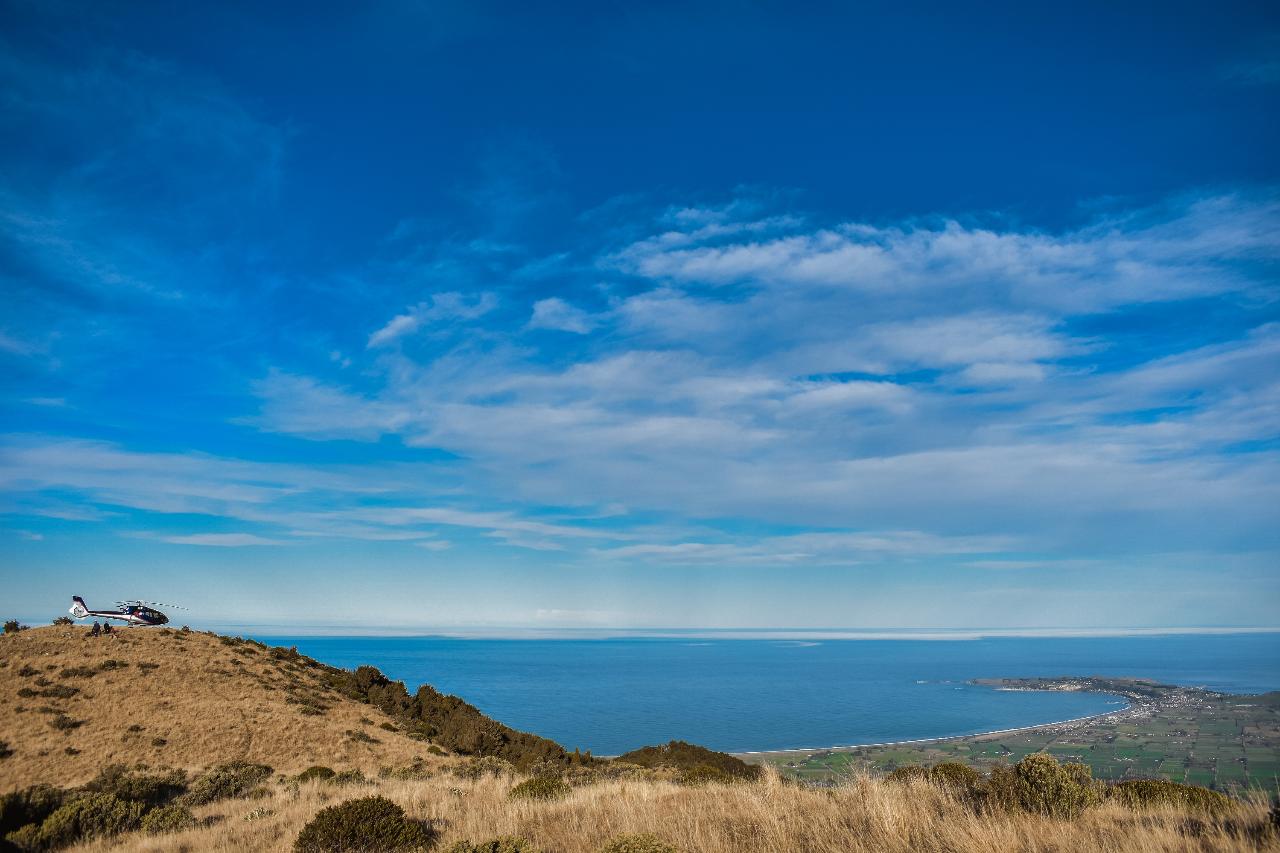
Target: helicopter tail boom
x,y
78,608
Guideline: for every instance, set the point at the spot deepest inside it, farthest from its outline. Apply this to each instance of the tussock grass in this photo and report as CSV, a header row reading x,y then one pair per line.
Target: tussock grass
x,y
765,816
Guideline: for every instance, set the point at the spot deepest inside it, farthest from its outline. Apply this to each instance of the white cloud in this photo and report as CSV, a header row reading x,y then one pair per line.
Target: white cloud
x,y
558,315
439,308
219,540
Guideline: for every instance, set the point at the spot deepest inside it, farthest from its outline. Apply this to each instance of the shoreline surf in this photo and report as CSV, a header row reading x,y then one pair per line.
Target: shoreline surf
x,y
850,747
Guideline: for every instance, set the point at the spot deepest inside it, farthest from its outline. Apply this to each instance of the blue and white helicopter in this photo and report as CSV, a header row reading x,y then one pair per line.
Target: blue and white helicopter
x,y
131,612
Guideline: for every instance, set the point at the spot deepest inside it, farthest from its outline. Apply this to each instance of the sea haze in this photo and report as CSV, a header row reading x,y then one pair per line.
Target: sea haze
x,y
612,695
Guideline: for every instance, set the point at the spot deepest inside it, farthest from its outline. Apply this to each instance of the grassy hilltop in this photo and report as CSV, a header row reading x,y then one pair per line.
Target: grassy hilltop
x,y
167,740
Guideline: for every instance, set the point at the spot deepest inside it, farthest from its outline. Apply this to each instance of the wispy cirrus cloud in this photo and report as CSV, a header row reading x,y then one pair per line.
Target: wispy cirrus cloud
x,y
860,376
442,307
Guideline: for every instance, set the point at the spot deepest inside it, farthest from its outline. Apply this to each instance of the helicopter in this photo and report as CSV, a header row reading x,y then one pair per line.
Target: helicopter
x,y
133,612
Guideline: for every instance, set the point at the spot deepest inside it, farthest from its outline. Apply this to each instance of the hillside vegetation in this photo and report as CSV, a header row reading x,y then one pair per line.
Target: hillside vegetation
x,y
164,740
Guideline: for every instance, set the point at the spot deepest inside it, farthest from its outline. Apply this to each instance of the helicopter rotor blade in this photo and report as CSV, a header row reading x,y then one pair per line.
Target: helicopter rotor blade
x,y
139,601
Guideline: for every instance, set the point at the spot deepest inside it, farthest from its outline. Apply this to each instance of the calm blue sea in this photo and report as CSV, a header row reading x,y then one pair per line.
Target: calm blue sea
x,y
613,695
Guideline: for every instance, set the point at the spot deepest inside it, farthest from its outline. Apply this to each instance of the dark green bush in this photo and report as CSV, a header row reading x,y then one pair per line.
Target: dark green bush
x,y
955,776
361,737
705,774
645,843
1161,793
29,806
5,749
28,670
77,672
167,819
13,626
63,723
224,782
688,756
63,620
366,824
110,664
55,691
316,772
448,720
83,818
435,750
908,773
1040,785
150,789
504,844
540,788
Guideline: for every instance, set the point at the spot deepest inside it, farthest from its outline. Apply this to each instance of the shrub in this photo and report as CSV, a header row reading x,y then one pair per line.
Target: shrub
x,y
486,765
111,664
1039,784
29,806
57,691
63,620
435,750
366,824
316,772
92,816
955,776
152,790
63,723
168,819
540,788
13,626
908,773
705,775
5,749
224,782
446,719
349,777
28,670
361,737
504,844
77,672
638,844
1161,793
685,756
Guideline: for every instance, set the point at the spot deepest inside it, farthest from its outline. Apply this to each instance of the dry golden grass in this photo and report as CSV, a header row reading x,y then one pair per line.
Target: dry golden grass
x,y
764,817
206,707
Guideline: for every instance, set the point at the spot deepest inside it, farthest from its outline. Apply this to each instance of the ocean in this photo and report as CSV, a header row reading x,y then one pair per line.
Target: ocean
x,y
737,695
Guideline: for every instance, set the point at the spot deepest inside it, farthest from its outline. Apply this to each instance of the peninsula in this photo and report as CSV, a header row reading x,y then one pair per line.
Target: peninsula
x,y
1184,734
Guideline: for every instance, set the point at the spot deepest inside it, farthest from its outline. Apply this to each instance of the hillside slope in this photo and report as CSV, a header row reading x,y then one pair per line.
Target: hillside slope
x,y
71,704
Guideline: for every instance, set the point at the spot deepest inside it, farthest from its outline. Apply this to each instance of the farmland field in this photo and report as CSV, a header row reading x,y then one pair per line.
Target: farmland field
x,y
1184,734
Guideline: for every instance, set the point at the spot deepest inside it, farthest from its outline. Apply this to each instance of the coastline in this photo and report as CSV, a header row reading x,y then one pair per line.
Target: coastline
x,y
766,753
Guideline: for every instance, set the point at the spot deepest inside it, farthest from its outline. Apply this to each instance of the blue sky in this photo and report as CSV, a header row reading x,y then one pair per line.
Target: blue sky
x,y
482,316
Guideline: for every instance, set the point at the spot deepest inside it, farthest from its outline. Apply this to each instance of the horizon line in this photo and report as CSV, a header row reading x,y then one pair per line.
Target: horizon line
x,y
781,634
